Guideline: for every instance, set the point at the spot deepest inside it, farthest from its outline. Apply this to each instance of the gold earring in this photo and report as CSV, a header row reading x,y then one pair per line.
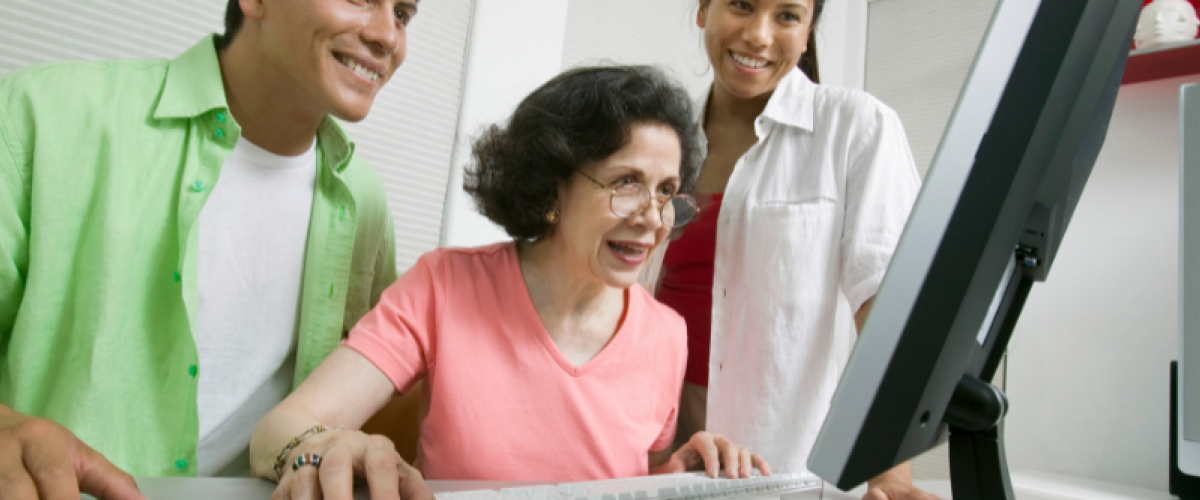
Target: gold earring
x,y
552,215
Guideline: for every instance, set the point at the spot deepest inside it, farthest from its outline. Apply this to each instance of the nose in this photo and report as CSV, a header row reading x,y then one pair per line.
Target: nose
x,y
650,216
382,34
757,32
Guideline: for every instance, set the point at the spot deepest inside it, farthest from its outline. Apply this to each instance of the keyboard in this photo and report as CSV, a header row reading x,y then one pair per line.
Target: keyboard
x,y
685,486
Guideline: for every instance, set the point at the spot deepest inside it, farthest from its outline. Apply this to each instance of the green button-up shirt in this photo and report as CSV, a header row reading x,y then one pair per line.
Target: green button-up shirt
x,y
104,168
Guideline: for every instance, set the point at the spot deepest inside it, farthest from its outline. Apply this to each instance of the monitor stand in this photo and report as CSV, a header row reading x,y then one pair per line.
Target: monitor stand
x,y
1181,484
978,466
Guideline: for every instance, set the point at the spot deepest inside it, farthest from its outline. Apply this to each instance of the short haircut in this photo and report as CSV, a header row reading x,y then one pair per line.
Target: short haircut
x,y
233,23
580,117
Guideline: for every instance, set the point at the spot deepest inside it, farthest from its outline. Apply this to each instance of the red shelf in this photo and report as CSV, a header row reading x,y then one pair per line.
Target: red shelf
x,y
1166,61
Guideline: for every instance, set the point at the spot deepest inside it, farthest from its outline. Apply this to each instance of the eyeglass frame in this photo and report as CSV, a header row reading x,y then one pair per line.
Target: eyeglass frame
x,y
612,194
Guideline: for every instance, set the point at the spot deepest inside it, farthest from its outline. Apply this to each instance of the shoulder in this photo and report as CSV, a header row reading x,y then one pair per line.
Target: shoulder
x,y
490,260
366,186
74,80
658,318
858,108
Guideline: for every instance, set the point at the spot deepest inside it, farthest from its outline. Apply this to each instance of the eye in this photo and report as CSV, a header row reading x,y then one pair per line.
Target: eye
x,y
743,6
626,180
403,17
790,17
667,190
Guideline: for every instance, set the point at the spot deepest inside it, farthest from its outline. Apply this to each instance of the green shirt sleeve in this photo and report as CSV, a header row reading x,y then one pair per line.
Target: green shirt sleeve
x,y
385,264
14,218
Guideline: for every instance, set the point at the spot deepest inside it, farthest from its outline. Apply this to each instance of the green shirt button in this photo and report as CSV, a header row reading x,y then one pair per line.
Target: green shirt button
x,y
181,464
219,133
221,117
198,186
192,370
176,276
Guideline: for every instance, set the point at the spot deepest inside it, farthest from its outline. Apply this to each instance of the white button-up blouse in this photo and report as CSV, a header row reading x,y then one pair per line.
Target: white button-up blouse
x,y
814,208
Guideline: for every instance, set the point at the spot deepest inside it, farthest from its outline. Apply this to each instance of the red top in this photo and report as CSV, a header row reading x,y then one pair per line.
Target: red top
x,y
687,285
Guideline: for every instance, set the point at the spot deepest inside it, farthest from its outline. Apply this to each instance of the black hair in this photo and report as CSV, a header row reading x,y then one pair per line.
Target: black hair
x,y
233,23
579,117
808,60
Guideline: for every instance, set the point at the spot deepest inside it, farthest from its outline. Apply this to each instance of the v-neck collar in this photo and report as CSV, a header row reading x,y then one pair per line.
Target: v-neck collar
x,y
538,332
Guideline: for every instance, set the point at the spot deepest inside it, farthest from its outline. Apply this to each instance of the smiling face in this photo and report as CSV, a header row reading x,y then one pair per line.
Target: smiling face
x,y
601,246
336,54
753,44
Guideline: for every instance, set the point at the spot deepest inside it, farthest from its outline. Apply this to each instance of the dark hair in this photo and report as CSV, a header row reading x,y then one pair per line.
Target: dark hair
x,y
579,117
808,60
233,23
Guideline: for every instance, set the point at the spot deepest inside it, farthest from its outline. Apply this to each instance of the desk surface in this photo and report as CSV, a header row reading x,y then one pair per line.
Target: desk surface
x,y
1028,486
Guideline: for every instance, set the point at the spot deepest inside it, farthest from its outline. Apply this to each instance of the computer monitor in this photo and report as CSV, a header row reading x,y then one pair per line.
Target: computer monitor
x,y
996,202
1184,473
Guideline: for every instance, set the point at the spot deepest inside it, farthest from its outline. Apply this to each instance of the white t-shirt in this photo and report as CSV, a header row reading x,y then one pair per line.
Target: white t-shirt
x,y
253,233
812,212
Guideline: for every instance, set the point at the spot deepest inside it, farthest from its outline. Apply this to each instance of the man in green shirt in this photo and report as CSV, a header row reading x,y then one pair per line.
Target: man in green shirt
x,y
114,300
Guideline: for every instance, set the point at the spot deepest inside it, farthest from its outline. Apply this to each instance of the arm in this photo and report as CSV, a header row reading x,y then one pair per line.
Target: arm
x,y
896,483
346,389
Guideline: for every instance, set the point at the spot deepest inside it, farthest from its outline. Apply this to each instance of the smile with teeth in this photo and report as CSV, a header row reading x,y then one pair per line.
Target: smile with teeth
x,y
629,250
358,68
748,62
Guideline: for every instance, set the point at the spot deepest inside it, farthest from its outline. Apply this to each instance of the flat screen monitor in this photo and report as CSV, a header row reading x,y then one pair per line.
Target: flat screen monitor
x,y
1006,178
1185,387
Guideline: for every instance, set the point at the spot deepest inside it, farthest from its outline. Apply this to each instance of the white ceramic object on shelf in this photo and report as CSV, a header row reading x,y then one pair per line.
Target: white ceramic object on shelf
x,y
1166,21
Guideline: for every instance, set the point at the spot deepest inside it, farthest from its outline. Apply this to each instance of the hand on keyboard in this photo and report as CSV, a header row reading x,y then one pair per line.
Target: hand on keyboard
x,y
715,452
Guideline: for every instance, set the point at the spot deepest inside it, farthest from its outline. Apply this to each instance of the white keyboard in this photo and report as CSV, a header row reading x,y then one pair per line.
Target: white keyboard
x,y
686,486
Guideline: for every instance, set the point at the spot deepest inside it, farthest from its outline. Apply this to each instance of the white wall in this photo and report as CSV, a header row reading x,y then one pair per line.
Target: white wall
x,y
504,64
515,46
1088,362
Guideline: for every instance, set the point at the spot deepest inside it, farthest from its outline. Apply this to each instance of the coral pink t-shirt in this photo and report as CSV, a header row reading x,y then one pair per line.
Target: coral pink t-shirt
x,y
503,403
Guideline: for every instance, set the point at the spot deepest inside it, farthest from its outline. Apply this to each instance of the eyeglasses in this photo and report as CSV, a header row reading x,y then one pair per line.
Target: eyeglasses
x,y
631,199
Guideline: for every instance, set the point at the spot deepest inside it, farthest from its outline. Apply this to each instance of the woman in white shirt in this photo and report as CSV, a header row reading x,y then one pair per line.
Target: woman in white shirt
x,y
810,188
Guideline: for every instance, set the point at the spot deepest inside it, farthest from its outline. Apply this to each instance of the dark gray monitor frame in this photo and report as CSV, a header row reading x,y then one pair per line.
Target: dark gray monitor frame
x,y
999,195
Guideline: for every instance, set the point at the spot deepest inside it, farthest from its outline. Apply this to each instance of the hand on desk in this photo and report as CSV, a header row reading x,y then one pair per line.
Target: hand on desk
x,y
345,454
40,459
896,484
713,450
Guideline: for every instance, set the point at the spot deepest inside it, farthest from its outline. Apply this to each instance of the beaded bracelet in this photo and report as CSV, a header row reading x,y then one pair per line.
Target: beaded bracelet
x,y
287,448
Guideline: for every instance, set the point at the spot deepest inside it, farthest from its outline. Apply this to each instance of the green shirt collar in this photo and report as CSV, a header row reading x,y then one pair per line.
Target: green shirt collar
x,y
194,87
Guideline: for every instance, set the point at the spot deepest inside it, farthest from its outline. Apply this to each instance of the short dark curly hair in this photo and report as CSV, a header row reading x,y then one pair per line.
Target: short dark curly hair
x,y
582,116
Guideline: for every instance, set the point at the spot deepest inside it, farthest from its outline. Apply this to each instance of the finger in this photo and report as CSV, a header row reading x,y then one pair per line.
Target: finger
x,y
305,484
337,466
761,464
744,468
412,484
15,483
46,457
729,454
875,494
100,478
381,465
703,444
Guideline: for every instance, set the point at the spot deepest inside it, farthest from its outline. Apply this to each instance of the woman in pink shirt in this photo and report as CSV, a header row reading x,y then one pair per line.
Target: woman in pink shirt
x,y
544,359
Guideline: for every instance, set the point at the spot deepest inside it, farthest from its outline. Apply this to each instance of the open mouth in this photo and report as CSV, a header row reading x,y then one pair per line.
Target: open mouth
x,y
630,254
359,69
749,62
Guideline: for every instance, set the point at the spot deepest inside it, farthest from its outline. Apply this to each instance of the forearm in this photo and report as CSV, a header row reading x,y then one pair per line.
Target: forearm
x,y
345,390
273,432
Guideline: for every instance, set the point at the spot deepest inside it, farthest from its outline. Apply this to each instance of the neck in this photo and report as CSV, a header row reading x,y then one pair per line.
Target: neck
x,y
272,114
569,305
726,108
